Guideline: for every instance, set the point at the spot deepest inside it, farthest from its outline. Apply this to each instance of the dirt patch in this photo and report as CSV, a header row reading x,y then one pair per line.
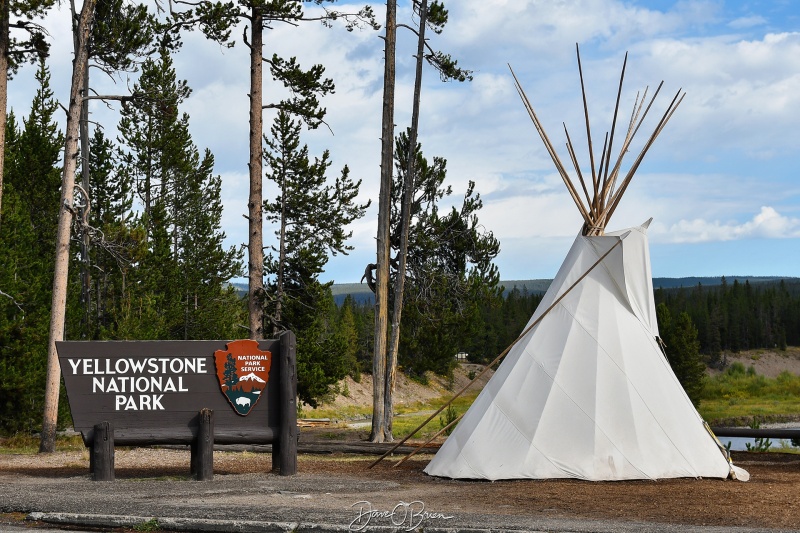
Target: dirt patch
x,y
408,392
767,363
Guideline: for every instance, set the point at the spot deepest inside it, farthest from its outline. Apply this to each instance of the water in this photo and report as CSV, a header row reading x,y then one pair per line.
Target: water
x,y
740,443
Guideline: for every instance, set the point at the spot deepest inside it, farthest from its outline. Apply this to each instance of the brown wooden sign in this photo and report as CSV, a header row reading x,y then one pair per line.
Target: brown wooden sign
x,y
152,392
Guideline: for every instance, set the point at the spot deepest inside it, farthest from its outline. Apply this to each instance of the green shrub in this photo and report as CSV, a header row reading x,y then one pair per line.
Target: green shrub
x,y
449,415
736,369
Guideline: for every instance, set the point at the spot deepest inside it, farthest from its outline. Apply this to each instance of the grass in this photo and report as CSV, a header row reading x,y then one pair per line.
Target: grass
x,y
403,425
407,417
740,393
28,444
150,525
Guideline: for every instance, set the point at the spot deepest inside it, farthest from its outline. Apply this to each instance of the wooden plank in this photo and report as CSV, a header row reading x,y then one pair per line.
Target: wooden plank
x,y
184,436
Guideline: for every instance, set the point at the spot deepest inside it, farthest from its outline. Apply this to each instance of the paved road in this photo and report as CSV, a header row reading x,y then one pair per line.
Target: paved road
x,y
263,502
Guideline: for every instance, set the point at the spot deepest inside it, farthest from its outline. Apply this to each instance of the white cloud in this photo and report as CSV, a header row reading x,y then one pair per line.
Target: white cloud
x,y
747,22
767,224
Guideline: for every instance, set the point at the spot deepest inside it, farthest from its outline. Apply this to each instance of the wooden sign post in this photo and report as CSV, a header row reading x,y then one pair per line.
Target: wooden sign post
x,y
183,392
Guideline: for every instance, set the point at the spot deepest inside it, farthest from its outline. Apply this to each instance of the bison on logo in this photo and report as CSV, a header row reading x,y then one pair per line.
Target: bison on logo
x,y
242,371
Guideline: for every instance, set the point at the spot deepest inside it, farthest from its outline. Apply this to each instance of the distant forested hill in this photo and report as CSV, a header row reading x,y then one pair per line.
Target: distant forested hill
x,y
361,293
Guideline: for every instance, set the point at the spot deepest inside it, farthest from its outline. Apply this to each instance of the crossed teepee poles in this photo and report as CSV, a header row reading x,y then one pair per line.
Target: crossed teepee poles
x,y
604,198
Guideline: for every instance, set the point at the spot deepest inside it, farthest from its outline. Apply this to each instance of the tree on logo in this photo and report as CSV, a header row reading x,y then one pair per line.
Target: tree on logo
x,y
231,377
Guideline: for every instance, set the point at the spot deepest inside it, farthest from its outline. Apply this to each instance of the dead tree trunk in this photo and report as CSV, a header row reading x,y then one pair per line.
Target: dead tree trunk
x,y
255,247
405,223
378,433
86,279
59,303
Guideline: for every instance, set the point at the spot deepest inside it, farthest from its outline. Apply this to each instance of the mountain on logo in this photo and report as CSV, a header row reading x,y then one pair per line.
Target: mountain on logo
x,y
251,377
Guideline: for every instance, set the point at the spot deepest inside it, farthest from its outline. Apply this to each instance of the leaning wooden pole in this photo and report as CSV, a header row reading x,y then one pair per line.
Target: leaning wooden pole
x,y
416,450
600,199
609,210
586,116
552,151
503,354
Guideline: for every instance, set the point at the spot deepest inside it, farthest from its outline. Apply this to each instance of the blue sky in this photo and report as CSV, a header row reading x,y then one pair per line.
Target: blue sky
x,y
721,181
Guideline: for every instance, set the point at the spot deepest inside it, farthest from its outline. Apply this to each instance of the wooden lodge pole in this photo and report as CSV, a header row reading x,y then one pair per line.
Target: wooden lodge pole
x,y
418,448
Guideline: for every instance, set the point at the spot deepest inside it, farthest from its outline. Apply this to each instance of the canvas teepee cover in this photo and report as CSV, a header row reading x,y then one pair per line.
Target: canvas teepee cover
x,y
587,393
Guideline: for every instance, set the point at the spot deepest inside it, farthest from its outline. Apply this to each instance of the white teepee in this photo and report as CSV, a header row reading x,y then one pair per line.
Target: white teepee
x,y
587,392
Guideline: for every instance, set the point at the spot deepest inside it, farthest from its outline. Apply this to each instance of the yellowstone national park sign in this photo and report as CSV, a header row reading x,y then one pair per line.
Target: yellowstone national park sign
x,y
152,391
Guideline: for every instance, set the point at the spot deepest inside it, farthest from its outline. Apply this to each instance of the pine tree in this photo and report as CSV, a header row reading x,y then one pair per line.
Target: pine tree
x,y
26,258
18,16
211,308
230,375
450,265
154,134
683,351
310,216
185,271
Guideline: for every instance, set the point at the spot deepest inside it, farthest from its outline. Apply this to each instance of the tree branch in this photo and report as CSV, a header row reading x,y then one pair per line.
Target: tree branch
x,y
19,306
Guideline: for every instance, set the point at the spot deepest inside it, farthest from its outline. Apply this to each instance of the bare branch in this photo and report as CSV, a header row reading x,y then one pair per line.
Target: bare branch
x,y
15,302
117,97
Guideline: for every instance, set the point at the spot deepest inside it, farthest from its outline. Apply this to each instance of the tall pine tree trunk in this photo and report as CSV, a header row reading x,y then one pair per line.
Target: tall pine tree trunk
x,y
378,433
255,248
5,44
86,279
405,224
59,302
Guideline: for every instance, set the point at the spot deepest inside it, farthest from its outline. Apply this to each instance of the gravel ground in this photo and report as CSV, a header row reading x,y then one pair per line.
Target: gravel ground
x,y
335,489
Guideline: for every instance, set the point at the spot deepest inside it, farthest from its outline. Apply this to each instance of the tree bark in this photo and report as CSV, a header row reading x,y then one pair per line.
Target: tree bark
x,y
5,42
59,302
378,433
86,279
255,248
405,223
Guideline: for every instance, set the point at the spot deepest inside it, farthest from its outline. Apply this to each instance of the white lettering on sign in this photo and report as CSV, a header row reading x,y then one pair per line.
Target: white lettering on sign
x,y
151,375
149,365
253,363
147,402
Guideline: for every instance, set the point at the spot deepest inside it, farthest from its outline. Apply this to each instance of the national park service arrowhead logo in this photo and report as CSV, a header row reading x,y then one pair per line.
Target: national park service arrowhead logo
x,y
243,371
